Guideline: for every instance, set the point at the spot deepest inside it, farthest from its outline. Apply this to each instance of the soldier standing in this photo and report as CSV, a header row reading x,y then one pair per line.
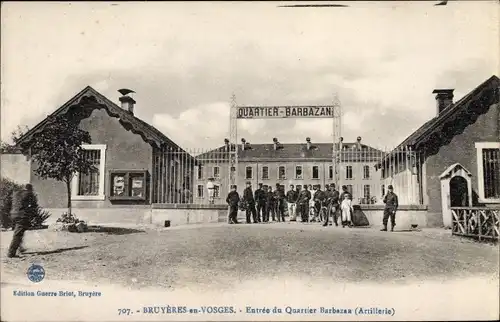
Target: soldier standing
x,y
333,204
250,203
23,204
260,199
391,206
233,198
271,204
291,199
304,197
280,202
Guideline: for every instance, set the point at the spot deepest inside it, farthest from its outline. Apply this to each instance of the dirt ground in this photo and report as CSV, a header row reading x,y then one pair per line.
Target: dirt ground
x,y
216,259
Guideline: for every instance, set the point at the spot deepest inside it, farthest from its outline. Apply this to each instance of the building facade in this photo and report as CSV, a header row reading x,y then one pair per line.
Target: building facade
x,y
291,164
133,161
456,160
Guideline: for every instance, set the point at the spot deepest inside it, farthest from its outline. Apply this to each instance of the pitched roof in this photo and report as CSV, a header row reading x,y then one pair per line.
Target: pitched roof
x,y
295,151
88,100
462,113
432,126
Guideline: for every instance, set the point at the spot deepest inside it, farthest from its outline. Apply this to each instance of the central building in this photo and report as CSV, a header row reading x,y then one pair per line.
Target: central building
x,y
300,164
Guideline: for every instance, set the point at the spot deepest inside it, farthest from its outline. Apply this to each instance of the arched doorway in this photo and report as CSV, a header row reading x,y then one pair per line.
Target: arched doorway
x,y
456,190
459,192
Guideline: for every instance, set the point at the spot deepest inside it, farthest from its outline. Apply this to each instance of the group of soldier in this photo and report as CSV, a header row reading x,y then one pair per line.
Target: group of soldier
x,y
264,204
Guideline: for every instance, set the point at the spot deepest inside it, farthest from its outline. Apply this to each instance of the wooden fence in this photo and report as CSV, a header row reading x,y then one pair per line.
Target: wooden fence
x,y
477,222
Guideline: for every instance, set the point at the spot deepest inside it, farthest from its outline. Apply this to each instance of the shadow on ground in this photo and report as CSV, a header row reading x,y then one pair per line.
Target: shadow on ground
x,y
56,251
114,230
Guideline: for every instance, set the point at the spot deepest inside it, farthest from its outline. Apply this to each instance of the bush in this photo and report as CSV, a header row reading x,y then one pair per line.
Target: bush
x,y
6,190
39,217
67,218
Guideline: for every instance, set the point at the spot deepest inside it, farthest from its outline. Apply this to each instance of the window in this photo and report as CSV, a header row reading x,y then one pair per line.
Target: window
x,y
349,188
298,172
382,188
330,172
315,172
216,172
200,190
366,172
90,186
127,185
265,173
281,172
366,192
216,191
249,173
488,164
348,172
200,172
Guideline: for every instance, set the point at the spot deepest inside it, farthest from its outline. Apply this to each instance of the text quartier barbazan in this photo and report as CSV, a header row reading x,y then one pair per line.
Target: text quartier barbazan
x,y
284,111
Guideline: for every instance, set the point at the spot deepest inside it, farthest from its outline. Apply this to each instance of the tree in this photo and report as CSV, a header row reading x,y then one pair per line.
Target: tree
x,y
14,135
57,151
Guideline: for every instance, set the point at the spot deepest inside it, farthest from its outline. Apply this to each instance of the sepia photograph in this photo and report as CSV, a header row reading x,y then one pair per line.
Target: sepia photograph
x,y
250,161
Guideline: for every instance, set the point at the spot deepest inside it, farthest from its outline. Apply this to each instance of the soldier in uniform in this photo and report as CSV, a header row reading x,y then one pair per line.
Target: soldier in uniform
x,y
319,199
279,196
250,204
303,202
23,206
391,206
291,199
233,199
332,196
260,199
270,204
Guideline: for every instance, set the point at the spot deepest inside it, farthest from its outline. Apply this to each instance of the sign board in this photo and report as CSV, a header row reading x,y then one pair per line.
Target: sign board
x,y
266,112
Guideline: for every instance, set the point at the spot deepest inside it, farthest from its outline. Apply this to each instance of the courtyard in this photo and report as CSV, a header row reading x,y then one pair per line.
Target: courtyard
x,y
271,263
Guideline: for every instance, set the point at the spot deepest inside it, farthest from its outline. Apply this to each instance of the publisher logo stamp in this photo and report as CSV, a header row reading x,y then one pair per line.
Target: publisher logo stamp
x,y
36,273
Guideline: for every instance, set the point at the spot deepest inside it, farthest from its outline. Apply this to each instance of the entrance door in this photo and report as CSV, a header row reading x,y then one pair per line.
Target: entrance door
x,y
459,194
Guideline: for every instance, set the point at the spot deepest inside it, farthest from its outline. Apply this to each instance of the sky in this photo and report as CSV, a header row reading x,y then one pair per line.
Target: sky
x,y
185,60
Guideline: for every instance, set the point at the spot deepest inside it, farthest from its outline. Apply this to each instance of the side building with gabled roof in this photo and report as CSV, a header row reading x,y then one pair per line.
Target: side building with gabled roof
x,y
458,163
135,162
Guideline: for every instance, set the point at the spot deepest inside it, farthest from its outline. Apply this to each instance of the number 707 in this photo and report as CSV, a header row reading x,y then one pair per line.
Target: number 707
x,y
123,311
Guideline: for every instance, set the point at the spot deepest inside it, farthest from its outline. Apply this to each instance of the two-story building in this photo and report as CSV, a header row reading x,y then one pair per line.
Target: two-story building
x,y
295,164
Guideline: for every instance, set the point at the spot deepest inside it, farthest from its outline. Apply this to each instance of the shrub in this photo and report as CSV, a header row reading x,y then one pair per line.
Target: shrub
x,y
39,217
6,190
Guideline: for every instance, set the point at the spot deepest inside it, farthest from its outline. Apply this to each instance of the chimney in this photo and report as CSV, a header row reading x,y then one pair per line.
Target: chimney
x,y
444,98
308,142
127,101
226,144
243,141
275,143
358,140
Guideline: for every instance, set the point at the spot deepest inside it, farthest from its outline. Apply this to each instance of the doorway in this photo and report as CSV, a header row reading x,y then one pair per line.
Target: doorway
x,y
459,192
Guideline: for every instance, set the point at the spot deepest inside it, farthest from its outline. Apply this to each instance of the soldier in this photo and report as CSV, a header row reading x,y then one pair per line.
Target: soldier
x,y
391,206
279,196
260,199
233,199
319,199
291,199
304,197
270,203
250,204
23,204
265,210
332,196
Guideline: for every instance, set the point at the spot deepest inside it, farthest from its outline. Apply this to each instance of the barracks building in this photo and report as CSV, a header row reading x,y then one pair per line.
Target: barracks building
x,y
300,164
